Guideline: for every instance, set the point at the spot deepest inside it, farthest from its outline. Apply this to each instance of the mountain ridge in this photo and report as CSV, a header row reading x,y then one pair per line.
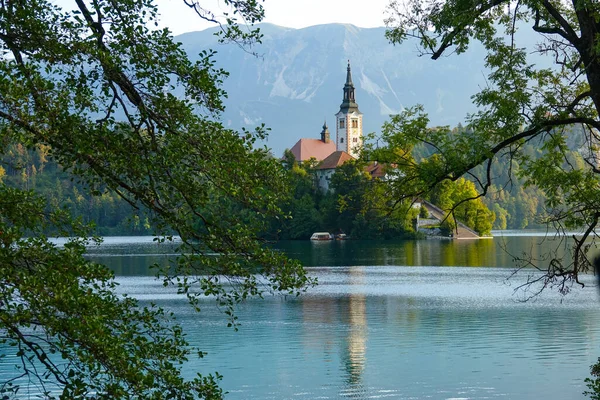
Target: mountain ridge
x,y
298,78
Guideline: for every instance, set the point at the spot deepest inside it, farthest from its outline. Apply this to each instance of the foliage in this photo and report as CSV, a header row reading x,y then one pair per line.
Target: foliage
x,y
61,315
301,205
593,384
523,103
516,205
93,90
35,170
460,198
415,163
357,205
364,206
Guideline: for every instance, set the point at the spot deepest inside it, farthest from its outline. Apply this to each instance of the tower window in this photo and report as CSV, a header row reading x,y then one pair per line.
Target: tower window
x,y
341,140
355,140
354,123
342,123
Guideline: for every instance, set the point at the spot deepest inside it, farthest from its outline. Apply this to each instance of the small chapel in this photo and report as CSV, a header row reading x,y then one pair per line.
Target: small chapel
x,y
348,138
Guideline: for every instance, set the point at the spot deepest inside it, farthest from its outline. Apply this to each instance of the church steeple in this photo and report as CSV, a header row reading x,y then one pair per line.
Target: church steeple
x,y
349,76
348,127
348,102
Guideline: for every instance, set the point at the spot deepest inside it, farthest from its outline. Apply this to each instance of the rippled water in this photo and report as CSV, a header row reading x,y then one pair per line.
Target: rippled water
x,y
391,320
397,332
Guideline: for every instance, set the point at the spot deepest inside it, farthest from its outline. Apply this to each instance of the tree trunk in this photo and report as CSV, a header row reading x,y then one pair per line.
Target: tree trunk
x,y
588,15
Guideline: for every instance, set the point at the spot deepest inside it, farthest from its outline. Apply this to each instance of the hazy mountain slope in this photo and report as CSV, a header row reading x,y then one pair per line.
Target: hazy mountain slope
x,y
297,81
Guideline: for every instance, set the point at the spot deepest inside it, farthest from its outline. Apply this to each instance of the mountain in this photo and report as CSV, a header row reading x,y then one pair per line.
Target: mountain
x,y
296,81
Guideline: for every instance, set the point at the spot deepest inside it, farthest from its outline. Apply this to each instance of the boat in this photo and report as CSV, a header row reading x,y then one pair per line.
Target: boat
x,y
341,236
321,236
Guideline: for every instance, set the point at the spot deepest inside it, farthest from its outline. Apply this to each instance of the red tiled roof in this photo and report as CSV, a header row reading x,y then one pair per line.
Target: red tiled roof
x,y
304,149
375,169
335,159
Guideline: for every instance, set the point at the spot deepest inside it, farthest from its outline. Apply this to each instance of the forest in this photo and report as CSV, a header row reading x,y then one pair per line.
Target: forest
x,y
358,205
34,169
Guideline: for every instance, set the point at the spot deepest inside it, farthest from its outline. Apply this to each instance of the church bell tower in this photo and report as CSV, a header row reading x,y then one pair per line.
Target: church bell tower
x,y
349,137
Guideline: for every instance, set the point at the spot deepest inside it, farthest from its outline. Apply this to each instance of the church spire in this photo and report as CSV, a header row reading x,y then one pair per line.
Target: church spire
x,y
348,102
349,76
325,133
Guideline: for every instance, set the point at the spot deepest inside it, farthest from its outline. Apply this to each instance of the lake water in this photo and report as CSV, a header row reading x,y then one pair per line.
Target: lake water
x,y
430,319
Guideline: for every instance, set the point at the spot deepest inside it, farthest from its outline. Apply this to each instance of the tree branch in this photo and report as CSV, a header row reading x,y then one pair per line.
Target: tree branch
x,y
570,34
448,39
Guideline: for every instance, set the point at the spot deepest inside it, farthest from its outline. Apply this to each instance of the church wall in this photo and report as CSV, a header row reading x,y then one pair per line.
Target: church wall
x,y
342,133
355,137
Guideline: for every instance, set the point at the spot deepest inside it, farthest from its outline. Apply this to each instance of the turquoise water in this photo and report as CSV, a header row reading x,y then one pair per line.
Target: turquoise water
x,y
432,319
397,332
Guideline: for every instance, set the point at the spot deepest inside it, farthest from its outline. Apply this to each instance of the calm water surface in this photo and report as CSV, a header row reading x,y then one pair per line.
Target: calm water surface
x,y
429,319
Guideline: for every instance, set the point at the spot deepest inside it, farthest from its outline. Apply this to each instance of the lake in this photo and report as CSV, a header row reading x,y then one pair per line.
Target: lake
x,y
429,319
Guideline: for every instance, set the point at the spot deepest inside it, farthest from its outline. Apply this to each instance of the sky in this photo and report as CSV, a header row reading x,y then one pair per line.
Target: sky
x,y
289,13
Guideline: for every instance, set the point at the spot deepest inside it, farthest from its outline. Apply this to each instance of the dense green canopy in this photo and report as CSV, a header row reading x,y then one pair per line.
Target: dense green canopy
x,y
119,105
522,103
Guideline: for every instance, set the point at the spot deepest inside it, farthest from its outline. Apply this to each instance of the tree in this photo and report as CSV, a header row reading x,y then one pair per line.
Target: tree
x,y
349,186
460,198
522,103
95,87
300,201
362,206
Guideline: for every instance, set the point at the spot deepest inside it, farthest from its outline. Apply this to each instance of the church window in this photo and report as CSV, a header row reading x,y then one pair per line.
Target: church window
x,y
341,140
342,123
354,123
355,140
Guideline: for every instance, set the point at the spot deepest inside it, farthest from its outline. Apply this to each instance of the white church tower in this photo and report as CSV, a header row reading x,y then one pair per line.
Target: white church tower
x,y
349,137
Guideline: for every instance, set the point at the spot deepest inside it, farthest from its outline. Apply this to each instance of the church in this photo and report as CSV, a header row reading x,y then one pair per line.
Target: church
x,y
348,138
348,130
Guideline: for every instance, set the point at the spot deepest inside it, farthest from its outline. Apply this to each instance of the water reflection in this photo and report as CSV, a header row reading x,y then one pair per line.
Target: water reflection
x,y
347,316
377,326
134,256
356,340
394,332
476,253
133,259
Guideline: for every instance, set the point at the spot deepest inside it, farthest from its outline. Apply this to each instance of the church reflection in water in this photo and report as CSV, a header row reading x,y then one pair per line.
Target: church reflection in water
x,y
354,355
321,314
